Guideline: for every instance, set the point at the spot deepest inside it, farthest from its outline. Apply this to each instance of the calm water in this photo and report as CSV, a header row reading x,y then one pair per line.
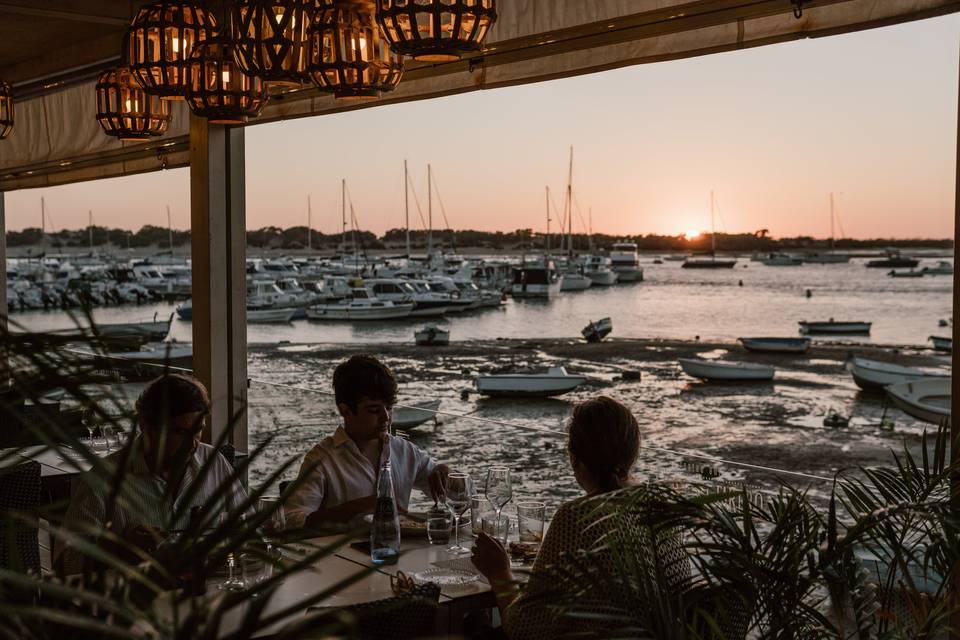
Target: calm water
x,y
671,303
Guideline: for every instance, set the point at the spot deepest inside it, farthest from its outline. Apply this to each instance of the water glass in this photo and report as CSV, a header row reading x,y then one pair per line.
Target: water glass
x,y
272,507
494,527
499,487
479,507
531,517
439,526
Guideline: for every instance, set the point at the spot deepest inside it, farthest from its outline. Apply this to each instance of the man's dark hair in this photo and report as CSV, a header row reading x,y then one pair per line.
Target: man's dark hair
x,y
170,396
363,375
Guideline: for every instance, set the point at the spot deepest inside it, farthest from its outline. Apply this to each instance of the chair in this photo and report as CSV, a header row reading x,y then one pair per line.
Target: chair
x,y
408,616
20,492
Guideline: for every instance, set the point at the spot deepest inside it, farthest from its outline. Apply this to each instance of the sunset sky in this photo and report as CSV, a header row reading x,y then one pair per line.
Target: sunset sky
x,y
773,130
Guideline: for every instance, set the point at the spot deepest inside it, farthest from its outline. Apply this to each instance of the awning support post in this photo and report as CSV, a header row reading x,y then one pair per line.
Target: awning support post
x,y
218,247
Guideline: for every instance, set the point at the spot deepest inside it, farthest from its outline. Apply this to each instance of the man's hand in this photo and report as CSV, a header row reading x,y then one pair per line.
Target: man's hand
x,y
438,482
491,559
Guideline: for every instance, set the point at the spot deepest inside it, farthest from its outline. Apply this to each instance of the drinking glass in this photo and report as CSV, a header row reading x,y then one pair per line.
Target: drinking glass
x,y
438,528
236,578
499,489
89,420
479,507
272,507
458,494
107,432
498,528
530,521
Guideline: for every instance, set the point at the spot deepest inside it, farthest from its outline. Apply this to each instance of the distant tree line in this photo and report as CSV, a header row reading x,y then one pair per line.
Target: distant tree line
x,y
296,238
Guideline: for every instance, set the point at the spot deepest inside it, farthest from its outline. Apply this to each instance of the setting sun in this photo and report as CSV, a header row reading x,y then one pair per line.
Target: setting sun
x,y
692,234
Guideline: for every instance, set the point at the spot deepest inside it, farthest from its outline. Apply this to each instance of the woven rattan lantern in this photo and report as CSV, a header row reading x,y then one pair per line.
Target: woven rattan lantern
x,y
125,110
6,109
271,37
158,43
435,30
348,55
217,89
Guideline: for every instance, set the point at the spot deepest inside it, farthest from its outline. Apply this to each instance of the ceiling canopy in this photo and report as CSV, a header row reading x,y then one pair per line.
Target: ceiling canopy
x,y
52,50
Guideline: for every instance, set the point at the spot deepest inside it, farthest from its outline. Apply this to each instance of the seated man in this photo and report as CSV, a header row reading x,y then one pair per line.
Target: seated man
x,y
167,459
338,477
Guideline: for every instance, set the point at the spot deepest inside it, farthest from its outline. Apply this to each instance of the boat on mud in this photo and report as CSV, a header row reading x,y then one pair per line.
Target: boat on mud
x,y
556,381
719,371
874,375
415,414
927,399
835,327
597,331
776,345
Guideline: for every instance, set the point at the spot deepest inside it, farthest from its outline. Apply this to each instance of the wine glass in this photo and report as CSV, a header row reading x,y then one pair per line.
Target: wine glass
x,y
107,432
458,499
499,489
88,420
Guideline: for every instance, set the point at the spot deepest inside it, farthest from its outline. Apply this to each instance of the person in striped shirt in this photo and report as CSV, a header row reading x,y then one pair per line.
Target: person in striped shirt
x,y
338,477
166,464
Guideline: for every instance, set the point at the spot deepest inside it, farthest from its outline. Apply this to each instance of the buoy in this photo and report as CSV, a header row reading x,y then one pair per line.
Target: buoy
x,y
809,293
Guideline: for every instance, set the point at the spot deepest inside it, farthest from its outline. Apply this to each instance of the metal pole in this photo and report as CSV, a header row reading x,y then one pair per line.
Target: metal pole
x,y
343,213
90,228
309,225
954,592
429,213
547,247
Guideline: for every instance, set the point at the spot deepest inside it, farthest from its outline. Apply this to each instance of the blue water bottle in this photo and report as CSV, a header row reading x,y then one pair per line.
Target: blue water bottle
x,y
385,531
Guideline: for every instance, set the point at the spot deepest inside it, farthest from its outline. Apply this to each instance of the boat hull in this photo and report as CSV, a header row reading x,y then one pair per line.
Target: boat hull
x,y
709,264
270,316
872,375
776,345
602,278
835,328
942,344
628,273
344,312
726,371
554,383
925,399
415,415
893,263
575,282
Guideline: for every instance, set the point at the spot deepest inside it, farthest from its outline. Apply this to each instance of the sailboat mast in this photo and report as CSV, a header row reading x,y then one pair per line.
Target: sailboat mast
x,y
309,225
713,229
169,230
590,226
90,228
831,221
406,205
547,244
429,211
343,212
569,207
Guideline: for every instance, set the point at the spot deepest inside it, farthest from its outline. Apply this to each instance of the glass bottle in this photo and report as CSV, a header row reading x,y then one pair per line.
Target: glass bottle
x,y
385,530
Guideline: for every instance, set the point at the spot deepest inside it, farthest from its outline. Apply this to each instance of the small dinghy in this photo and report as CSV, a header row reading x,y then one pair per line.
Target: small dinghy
x,y
432,336
835,327
941,343
776,345
597,331
718,371
927,399
415,414
873,375
905,274
263,316
943,268
556,381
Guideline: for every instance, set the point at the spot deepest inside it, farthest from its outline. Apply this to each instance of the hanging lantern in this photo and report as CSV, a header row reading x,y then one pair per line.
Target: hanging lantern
x,y
6,109
217,89
271,39
125,110
348,55
158,43
435,30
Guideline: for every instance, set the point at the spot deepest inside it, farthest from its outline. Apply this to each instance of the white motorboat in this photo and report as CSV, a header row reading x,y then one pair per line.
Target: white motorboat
x,y
776,345
556,381
941,343
625,262
927,399
415,414
432,336
362,306
597,331
873,375
266,316
781,260
539,279
943,268
575,281
837,327
717,371
826,258
597,268
425,303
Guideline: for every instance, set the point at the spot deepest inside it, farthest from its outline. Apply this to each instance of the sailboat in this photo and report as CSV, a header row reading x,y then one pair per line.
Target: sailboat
x,y
828,257
574,278
712,262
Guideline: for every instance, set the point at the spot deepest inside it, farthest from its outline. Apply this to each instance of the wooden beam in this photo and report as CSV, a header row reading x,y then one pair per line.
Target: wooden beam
x,y
218,238
4,368
74,15
954,590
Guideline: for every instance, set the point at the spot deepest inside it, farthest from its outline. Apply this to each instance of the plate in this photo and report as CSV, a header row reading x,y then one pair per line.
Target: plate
x,y
445,577
412,525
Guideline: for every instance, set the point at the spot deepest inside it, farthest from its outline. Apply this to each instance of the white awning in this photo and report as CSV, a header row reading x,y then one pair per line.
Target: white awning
x,y
56,138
